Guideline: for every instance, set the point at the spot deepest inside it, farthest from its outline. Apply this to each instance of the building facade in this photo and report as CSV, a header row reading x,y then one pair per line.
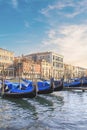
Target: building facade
x,y
71,71
54,59
6,62
45,69
26,68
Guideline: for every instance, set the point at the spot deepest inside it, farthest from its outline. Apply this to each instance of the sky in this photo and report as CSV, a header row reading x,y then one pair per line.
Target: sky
x,y
30,26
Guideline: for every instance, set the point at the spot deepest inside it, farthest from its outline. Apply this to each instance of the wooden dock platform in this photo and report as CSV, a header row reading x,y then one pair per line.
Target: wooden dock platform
x,y
75,88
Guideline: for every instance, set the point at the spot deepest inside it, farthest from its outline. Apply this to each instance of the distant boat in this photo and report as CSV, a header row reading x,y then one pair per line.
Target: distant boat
x,y
73,83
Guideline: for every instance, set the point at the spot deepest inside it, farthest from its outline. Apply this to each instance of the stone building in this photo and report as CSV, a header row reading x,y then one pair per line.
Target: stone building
x,y
6,62
26,68
54,59
71,71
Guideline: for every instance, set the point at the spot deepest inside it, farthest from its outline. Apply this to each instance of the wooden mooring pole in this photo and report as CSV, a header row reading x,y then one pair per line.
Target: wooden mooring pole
x,y
2,92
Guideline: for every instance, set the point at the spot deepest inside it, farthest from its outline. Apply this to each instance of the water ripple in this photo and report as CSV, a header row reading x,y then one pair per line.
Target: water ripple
x,y
65,110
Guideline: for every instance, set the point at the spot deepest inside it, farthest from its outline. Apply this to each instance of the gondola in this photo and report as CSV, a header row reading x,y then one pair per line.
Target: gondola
x,y
17,92
44,87
73,83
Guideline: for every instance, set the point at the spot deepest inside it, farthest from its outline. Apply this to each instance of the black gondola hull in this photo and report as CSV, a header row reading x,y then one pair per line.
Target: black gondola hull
x,y
19,95
45,91
58,88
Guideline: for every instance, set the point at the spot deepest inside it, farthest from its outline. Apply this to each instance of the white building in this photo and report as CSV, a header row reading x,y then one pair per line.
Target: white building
x,y
6,61
54,59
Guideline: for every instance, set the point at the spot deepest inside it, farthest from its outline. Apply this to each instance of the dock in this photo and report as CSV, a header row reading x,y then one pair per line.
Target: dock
x,y
75,88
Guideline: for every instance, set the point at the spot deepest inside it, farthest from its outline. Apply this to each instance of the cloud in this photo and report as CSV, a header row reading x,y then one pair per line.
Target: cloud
x,y
60,8
56,7
15,3
51,34
70,41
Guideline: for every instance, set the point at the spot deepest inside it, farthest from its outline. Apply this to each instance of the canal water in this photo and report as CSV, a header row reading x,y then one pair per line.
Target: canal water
x,y
65,110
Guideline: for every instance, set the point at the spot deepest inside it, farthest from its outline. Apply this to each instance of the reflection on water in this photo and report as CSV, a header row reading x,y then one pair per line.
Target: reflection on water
x,y
65,110
42,100
22,103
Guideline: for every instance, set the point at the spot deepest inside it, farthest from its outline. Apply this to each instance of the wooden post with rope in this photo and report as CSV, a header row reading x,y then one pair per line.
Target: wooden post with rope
x,y
2,90
34,83
34,80
52,83
19,67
